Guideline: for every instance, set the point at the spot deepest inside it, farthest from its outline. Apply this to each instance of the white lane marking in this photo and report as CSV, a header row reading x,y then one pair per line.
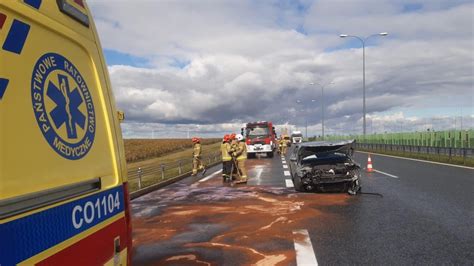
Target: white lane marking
x,y
378,171
304,249
418,160
210,176
285,166
286,173
289,183
258,174
283,161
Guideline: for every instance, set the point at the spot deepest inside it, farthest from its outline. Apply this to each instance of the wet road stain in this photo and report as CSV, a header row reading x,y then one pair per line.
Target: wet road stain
x,y
191,258
215,224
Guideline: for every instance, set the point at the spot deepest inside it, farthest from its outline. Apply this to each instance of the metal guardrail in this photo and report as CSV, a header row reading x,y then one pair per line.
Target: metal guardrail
x,y
463,153
147,175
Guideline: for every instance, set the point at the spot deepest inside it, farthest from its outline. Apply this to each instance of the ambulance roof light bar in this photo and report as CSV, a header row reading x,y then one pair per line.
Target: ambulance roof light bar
x,y
74,12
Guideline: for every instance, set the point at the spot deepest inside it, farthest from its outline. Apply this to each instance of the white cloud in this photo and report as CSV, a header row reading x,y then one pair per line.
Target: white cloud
x,y
247,61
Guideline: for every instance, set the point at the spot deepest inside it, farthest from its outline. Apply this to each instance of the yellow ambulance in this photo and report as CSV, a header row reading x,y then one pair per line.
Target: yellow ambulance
x,y
63,186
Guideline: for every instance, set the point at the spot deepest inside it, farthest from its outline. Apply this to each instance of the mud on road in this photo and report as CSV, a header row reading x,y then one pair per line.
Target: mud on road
x,y
212,223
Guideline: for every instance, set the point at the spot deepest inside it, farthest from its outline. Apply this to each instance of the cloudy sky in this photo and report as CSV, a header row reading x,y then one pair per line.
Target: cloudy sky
x,y
207,66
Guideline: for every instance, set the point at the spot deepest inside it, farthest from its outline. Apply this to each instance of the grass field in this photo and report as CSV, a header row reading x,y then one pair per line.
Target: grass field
x,y
174,156
143,149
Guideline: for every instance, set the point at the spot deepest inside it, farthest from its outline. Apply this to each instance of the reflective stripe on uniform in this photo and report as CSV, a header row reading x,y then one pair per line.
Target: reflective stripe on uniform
x,y
197,149
225,147
243,151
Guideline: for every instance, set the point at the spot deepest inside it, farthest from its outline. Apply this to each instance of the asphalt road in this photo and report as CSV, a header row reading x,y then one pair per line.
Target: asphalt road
x,y
420,213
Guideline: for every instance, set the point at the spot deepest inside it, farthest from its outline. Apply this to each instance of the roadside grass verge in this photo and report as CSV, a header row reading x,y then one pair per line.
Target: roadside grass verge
x,y
152,173
456,160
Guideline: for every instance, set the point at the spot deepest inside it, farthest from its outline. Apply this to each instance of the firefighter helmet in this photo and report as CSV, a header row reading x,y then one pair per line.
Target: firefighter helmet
x,y
226,138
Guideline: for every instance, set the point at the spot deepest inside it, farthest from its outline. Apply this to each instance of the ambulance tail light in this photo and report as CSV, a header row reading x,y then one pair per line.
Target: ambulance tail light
x,y
247,141
128,219
268,141
3,17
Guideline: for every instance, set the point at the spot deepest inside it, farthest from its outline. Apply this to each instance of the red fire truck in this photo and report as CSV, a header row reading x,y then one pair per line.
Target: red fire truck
x,y
260,138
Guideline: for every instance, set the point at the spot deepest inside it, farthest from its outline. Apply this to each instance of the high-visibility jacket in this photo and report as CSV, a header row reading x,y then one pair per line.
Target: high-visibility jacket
x,y
197,150
241,151
225,149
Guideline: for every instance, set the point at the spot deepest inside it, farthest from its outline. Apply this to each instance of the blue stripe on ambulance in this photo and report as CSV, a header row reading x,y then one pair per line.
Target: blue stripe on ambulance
x,y
25,237
34,3
16,37
3,86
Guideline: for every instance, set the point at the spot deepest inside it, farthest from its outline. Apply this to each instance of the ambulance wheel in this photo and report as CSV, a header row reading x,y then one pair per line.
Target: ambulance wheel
x,y
251,155
270,154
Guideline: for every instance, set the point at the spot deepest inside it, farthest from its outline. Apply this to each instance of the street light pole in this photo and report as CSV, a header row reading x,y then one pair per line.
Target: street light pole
x,y
363,69
306,121
364,110
306,129
322,104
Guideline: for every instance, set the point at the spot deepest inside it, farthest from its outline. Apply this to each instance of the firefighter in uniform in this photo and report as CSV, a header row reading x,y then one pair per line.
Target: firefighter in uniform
x,y
197,163
226,158
284,145
281,143
233,148
232,139
241,156
233,143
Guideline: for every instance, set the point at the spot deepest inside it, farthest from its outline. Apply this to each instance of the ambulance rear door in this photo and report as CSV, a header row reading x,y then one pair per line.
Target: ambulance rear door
x,y
61,159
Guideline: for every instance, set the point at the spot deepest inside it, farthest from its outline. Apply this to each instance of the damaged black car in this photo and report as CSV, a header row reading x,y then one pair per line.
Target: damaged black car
x,y
324,166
